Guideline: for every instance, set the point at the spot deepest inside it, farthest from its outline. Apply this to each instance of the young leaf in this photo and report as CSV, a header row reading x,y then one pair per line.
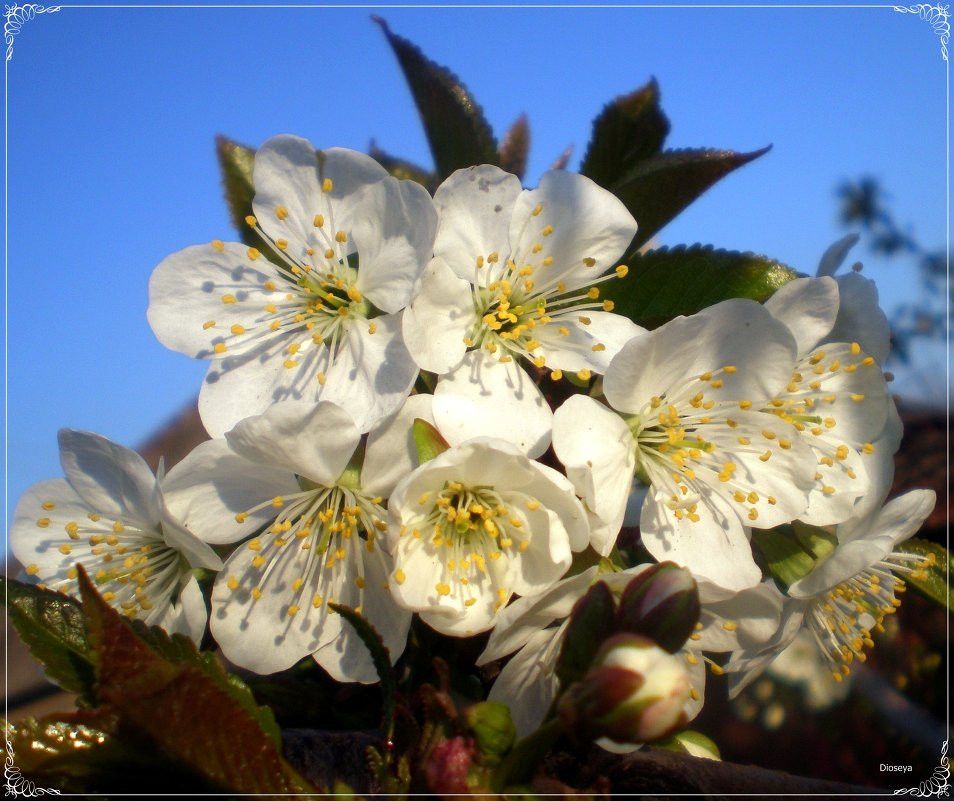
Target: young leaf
x,y
668,282
380,658
932,580
403,170
428,441
185,703
629,129
591,622
515,147
51,625
236,162
657,188
456,130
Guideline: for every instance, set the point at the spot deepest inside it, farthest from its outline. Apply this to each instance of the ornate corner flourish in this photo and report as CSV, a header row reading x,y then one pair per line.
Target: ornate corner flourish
x,y
16,16
937,784
16,784
937,15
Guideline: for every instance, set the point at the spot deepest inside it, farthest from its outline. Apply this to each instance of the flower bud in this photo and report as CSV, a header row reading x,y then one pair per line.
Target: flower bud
x,y
493,729
662,603
448,766
634,693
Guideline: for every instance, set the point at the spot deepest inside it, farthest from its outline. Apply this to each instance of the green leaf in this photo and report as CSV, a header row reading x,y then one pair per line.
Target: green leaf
x,y
381,659
403,170
690,742
185,703
931,580
590,623
790,552
428,441
456,130
515,147
52,627
630,129
657,188
236,162
667,282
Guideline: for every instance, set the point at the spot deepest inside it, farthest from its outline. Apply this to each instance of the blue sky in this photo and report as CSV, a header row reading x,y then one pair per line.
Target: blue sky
x,y
112,115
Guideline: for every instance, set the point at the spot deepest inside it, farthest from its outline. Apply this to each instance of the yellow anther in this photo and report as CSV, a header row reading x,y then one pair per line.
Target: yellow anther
x,y
584,375
442,588
765,456
589,261
399,576
251,221
253,253
868,448
622,271
218,244
208,324
341,236
321,378
745,404
65,548
785,444
327,185
556,375
537,209
229,299
547,230
608,305
856,397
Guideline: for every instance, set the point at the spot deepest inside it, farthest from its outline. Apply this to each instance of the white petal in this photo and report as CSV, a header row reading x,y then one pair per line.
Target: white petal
x,y
188,615
835,255
195,551
808,306
485,397
391,453
716,548
747,665
587,222
372,373
315,441
210,486
755,613
518,623
197,294
289,173
575,351
438,319
393,229
736,332
860,318
474,207
111,479
528,683
597,449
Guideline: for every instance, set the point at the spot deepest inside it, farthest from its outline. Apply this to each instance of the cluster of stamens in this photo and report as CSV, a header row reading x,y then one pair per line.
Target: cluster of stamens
x,y
329,524
469,529
512,303
130,563
842,621
313,298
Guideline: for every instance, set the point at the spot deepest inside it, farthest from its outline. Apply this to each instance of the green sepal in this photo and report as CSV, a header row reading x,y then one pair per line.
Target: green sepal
x,y
185,703
668,282
630,129
515,147
657,188
457,132
591,622
690,742
427,440
379,657
53,628
236,162
934,585
789,553
350,477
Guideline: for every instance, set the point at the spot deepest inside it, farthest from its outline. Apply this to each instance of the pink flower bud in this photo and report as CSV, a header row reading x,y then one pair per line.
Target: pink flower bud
x,y
448,765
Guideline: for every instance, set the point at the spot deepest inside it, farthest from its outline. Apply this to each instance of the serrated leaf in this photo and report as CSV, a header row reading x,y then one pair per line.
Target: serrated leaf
x,y
630,129
402,169
515,147
236,162
381,659
52,627
456,130
657,188
427,440
590,623
939,565
185,703
668,282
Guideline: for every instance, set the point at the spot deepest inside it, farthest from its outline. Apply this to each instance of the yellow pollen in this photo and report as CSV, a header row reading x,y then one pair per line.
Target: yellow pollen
x,y
218,244
228,299
442,588
399,576
341,236
745,404
253,253
537,209
593,292
65,548
208,324
608,305
547,230
327,185
292,610
622,271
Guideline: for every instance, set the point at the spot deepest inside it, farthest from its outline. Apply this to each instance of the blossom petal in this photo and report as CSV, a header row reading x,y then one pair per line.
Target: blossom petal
x,y
391,453
582,226
393,230
737,332
111,479
715,548
528,682
597,449
315,441
747,665
213,484
188,614
438,319
474,207
486,397
808,306
860,318
743,620
585,347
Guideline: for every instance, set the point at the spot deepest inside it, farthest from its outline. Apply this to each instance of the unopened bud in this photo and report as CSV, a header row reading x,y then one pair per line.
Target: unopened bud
x,y
493,729
635,693
448,766
661,603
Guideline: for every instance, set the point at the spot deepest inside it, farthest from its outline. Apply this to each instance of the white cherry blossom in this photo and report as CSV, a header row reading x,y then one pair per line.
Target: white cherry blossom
x,y
513,288
112,516
323,321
